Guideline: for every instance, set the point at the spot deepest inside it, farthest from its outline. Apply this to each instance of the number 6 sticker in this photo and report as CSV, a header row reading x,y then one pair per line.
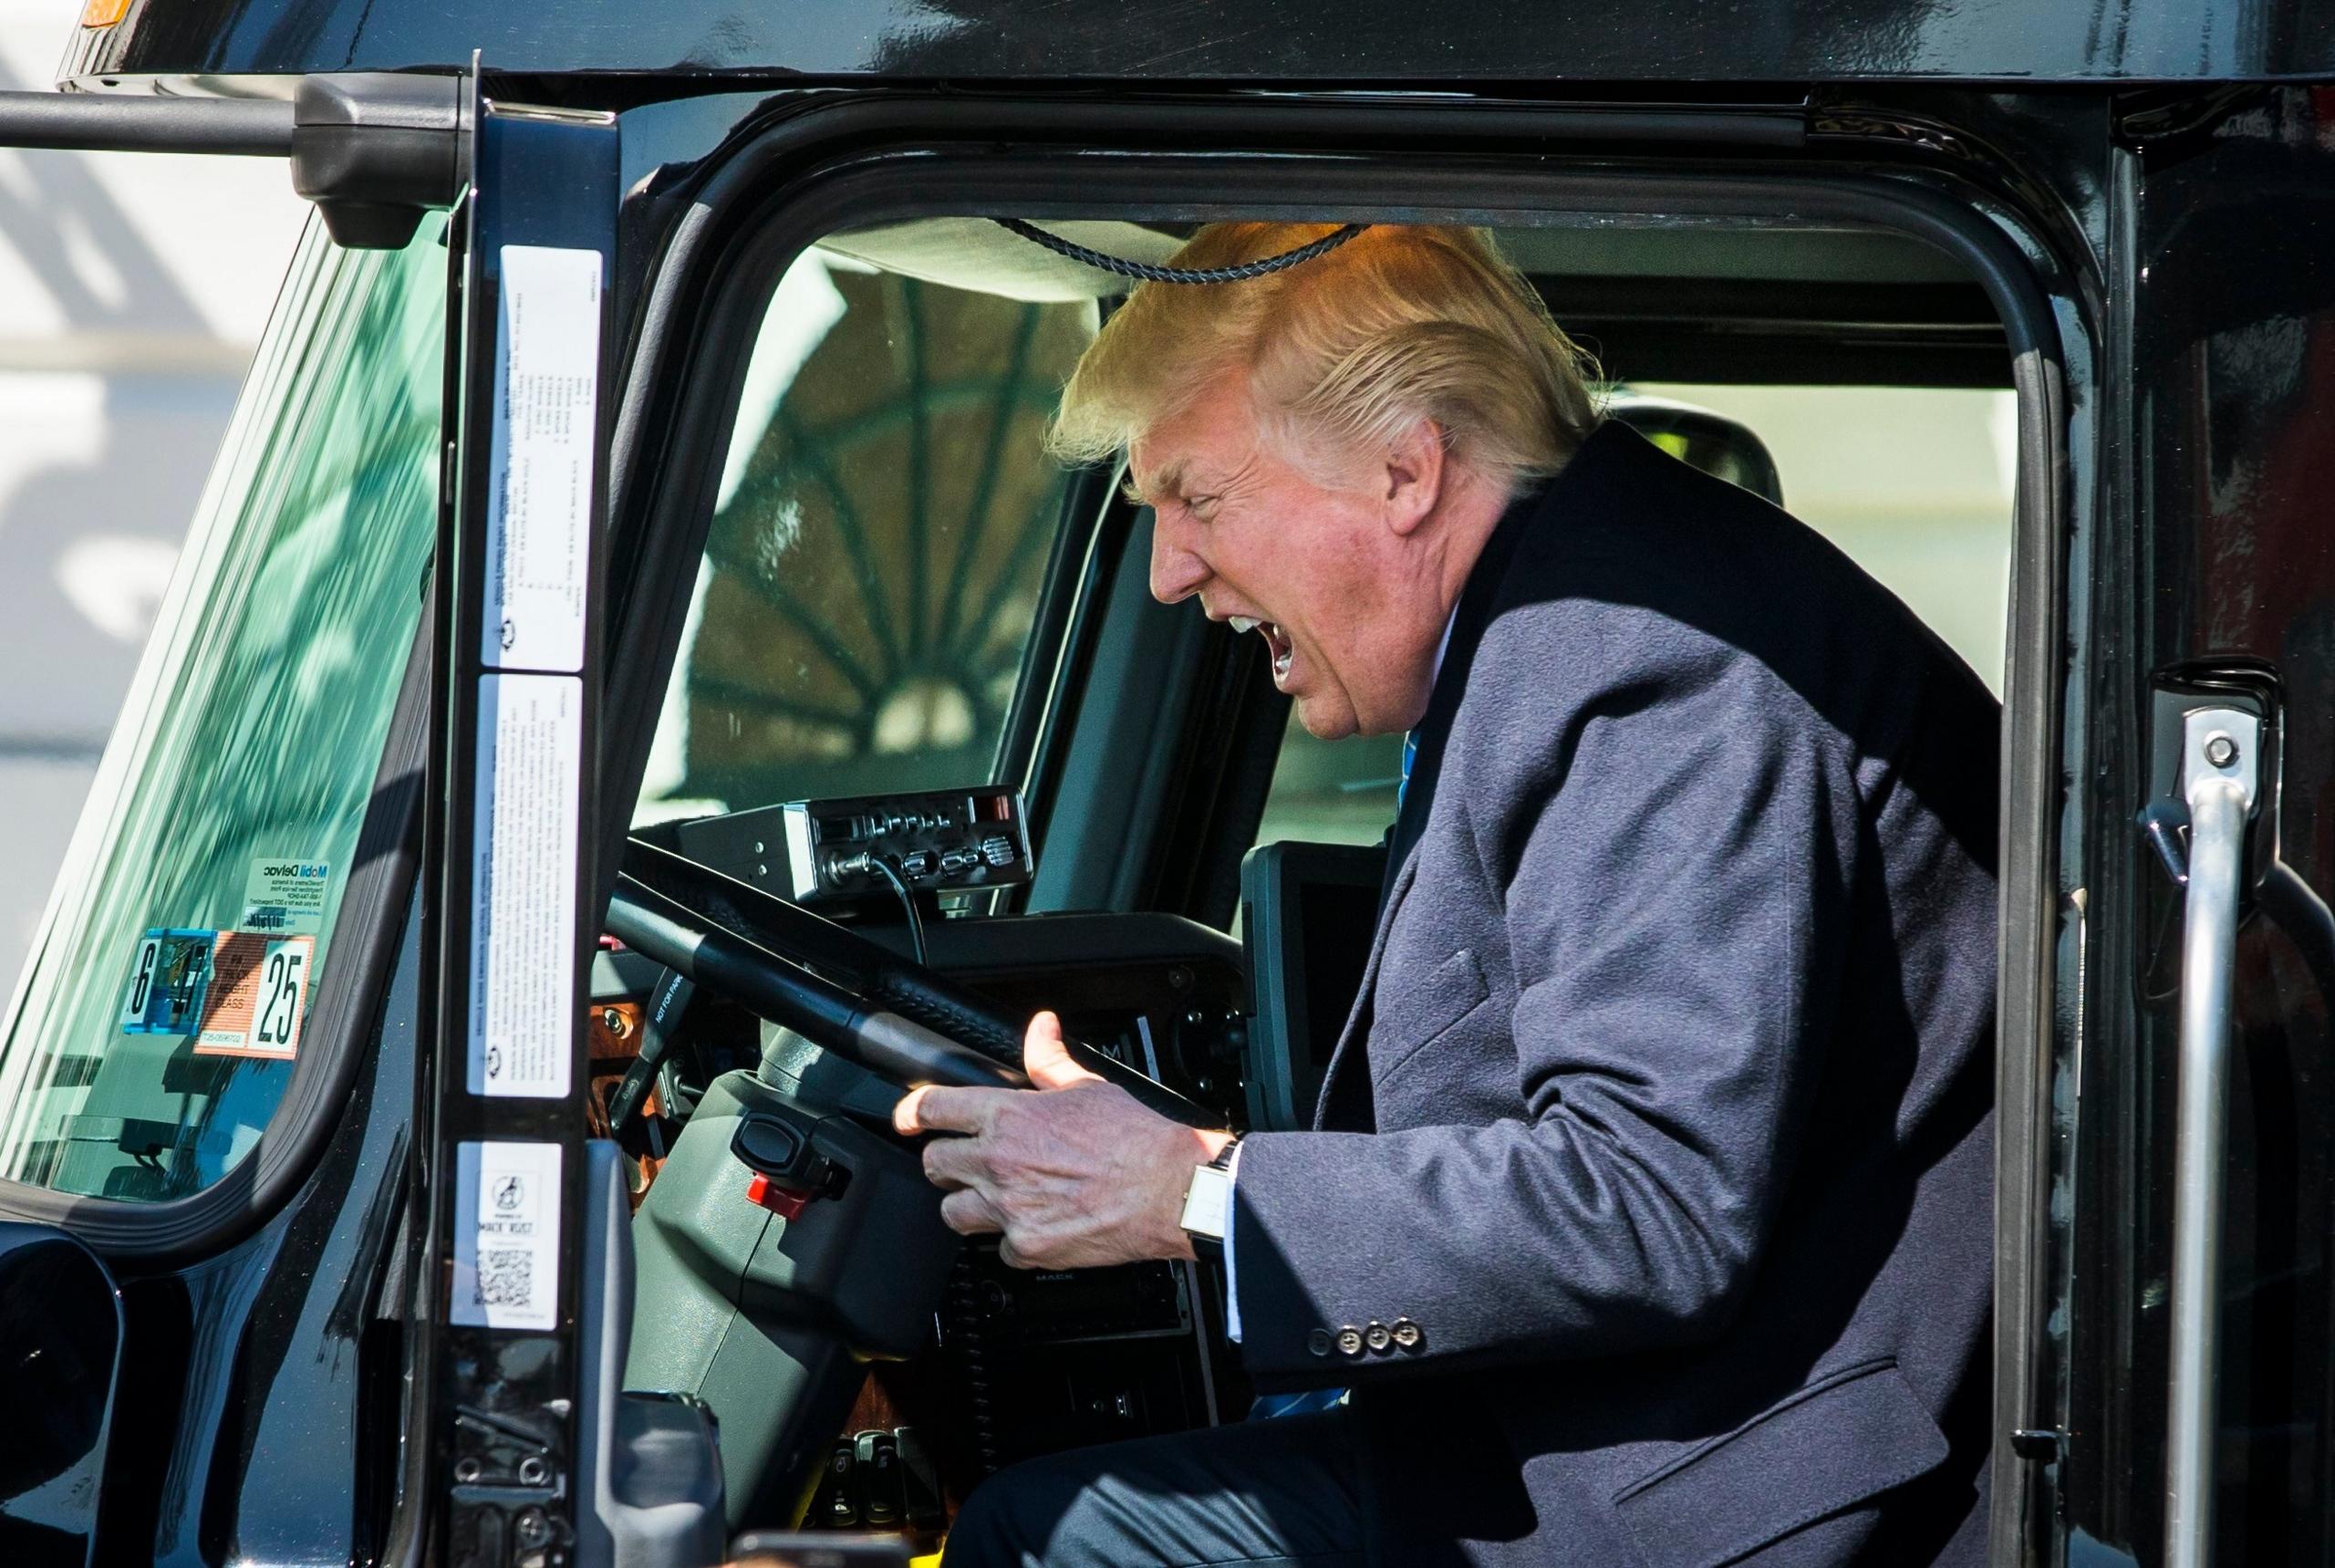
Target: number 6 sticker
x,y
258,996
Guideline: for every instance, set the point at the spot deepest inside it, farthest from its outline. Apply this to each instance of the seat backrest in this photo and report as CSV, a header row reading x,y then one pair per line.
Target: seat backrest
x,y
1724,448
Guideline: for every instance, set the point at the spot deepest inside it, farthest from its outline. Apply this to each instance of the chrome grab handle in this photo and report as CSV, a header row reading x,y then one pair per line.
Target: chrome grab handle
x,y
2219,752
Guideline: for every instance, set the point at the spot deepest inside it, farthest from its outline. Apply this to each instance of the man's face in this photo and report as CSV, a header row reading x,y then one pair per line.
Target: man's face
x,y
1325,574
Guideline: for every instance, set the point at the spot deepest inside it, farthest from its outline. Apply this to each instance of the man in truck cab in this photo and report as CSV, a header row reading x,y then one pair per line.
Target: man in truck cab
x,y
1646,1216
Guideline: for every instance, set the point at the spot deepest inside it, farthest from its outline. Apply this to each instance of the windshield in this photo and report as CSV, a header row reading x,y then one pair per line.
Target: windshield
x,y
160,1018
865,605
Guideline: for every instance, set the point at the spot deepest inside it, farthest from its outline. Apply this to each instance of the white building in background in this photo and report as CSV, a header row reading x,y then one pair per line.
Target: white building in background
x,y
132,291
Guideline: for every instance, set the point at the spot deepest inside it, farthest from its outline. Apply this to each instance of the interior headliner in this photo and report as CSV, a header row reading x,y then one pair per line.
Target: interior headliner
x,y
1654,299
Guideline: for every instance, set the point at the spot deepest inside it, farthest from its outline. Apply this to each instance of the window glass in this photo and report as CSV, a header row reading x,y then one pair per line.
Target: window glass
x,y
1913,484
878,545
156,1025
1331,792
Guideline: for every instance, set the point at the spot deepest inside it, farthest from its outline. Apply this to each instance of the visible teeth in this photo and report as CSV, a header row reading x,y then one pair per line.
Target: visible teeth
x,y
1245,624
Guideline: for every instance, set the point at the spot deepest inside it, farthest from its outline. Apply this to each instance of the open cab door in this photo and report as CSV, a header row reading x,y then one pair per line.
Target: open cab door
x,y
173,1004
517,1447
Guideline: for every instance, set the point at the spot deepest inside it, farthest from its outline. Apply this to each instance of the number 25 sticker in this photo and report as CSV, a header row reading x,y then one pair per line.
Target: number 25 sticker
x,y
259,995
283,980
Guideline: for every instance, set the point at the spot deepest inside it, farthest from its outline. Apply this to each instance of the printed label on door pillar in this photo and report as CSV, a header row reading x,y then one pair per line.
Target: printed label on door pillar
x,y
539,494
522,939
506,1235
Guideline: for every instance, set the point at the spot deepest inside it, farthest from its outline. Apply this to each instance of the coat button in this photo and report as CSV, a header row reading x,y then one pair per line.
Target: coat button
x,y
1378,1336
1318,1342
1349,1341
1408,1335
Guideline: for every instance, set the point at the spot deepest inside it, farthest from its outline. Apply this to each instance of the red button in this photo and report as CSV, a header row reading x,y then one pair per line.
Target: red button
x,y
784,1201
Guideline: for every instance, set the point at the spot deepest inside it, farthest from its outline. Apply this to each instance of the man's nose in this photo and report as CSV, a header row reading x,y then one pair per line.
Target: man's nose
x,y
1176,573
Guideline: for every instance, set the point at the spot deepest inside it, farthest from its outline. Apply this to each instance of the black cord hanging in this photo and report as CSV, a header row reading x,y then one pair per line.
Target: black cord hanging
x,y
1145,272
890,873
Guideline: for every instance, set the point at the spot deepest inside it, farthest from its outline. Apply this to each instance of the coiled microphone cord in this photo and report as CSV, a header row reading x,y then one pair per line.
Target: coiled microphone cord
x,y
1145,272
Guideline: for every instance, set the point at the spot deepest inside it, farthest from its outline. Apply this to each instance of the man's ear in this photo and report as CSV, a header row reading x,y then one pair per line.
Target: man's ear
x,y
1413,476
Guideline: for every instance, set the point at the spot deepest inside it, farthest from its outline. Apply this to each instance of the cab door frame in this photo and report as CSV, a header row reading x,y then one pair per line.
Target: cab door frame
x,y
2214,580
503,1344
794,170
796,165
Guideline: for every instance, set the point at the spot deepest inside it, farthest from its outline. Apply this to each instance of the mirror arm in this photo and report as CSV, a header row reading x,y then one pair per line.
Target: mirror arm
x,y
106,122
373,149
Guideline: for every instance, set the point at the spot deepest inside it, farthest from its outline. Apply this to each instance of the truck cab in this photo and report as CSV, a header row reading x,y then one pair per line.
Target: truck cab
x,y
637,696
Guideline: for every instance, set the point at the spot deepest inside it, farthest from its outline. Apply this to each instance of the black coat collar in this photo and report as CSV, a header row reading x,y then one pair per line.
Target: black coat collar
x,y
1609,442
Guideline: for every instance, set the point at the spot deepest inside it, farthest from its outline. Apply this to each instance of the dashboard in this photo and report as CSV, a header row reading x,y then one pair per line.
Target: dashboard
x,y
866,1367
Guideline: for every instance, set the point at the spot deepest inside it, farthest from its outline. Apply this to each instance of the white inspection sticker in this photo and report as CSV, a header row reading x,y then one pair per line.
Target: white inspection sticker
x,y
539,489
284,895
523,869
506,1235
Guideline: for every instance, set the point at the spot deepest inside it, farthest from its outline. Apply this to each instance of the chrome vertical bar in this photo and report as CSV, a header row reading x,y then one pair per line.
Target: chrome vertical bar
x,y
2219,752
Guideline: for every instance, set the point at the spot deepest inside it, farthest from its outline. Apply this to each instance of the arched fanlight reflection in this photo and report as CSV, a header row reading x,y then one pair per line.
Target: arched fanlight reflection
x,y
875,568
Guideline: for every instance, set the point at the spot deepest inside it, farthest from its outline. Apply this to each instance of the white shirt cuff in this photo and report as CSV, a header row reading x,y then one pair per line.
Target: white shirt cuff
x,y
1232,1285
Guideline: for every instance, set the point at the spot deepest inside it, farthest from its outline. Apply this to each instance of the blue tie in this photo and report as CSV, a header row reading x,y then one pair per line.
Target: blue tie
x,y
1410,755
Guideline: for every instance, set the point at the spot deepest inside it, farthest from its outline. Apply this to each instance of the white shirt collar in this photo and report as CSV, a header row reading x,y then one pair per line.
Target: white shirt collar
x,y
1442,648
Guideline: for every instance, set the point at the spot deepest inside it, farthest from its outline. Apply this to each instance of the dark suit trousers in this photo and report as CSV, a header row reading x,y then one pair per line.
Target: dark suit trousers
x,y
1276,1494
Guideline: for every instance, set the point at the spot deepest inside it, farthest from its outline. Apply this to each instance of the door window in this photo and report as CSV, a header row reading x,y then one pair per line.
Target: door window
x,y
1913,484
877,548
161,1013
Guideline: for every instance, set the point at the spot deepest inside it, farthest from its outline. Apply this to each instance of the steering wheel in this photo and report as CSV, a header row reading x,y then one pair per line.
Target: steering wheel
x,y
903,1020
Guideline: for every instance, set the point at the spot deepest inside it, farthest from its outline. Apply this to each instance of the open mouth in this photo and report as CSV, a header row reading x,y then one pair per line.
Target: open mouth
x,y
1284,652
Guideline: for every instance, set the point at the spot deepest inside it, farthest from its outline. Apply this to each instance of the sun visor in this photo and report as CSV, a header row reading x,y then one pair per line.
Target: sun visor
x,y
976,255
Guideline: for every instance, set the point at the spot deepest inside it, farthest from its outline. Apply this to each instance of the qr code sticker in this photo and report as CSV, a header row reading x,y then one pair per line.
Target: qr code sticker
x,y
506,1242
506,1276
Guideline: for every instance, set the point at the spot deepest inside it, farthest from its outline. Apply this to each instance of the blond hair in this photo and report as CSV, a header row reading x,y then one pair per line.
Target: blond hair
x,y
1345,352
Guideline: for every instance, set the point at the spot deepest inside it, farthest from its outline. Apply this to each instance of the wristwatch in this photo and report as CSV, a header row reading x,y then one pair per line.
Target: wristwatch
x,y
1208,1201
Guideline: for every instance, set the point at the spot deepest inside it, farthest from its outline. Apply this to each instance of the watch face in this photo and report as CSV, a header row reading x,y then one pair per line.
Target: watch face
x,y
1207,1202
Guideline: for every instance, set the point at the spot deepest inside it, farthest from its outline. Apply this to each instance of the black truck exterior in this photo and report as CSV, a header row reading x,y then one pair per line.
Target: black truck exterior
x,y
2147,195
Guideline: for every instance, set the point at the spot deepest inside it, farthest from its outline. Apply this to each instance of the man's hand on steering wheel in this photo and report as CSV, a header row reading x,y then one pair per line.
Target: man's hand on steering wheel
x,y
1072,1171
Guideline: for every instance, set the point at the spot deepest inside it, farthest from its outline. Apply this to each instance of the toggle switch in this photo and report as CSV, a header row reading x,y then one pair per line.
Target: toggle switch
x,y
788,1172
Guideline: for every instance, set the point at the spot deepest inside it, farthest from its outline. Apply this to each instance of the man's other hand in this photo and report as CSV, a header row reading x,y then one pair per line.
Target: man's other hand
x,y
1072,1171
